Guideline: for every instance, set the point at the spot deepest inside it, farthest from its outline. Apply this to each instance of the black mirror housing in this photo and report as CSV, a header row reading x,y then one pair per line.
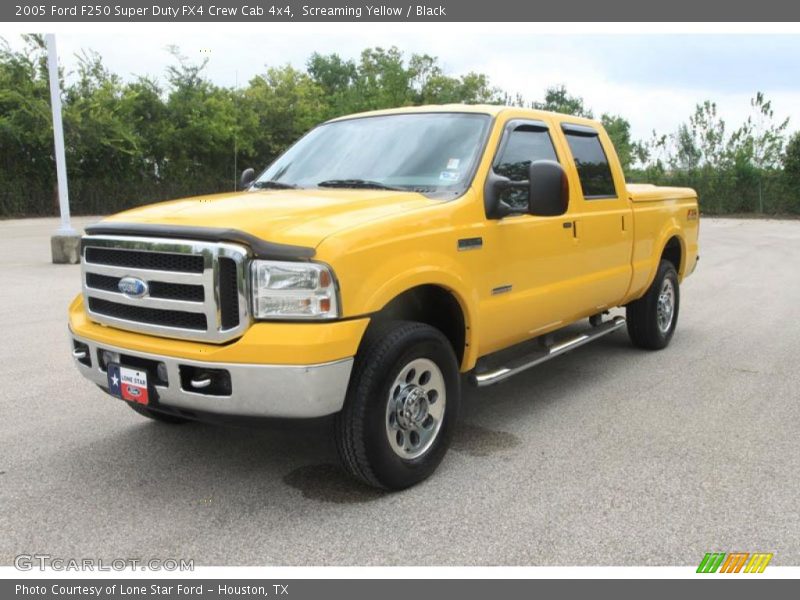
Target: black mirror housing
x,y
247,178
495,184
548,189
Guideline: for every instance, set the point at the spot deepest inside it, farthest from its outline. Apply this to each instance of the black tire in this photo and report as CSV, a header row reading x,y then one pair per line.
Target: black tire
x,y
161,417
643,314
361,430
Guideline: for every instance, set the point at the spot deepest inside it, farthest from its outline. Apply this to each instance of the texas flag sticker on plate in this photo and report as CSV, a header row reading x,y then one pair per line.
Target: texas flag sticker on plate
x,y
128,384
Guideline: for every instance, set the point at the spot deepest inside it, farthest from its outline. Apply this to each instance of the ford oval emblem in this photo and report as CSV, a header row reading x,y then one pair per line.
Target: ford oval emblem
x,y
133,287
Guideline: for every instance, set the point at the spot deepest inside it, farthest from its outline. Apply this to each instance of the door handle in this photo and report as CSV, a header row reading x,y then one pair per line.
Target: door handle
x,y
571,225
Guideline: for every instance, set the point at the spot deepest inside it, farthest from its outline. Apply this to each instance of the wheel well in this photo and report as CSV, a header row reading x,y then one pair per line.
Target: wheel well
x,y
673,253
434,306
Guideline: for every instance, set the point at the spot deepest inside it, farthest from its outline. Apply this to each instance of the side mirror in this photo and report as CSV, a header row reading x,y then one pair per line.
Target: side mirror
x,y
248,177
493,189
548,189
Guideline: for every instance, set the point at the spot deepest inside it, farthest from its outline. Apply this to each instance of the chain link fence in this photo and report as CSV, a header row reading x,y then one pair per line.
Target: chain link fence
x,y
759,193
20,198
768,193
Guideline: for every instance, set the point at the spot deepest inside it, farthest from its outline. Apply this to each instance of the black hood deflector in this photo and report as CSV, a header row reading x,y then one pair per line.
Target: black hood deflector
x,y
260,248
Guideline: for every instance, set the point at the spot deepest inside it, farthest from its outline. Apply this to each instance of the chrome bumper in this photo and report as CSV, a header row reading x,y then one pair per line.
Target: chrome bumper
x,y
292,391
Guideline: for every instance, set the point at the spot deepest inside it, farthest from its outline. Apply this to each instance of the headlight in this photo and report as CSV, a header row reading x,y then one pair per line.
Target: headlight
x,y
293,290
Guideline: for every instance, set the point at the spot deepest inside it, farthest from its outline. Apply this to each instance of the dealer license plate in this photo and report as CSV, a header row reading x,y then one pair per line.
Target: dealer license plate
x,y
128,384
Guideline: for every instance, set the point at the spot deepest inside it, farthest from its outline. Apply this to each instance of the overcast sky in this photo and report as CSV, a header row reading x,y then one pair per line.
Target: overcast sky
x,y
653,80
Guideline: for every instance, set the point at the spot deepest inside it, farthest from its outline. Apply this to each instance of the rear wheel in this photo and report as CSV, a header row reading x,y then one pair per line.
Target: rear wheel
x,y
401,406
653,317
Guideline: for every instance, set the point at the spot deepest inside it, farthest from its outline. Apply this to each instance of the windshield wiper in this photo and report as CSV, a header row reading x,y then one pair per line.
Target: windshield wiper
x,y
271,184
358,184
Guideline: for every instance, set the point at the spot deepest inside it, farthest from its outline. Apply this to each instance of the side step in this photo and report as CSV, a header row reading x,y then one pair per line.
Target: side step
x,y
525,362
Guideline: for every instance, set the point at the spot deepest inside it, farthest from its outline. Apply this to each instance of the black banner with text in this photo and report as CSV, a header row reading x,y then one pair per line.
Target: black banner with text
x,y
394,10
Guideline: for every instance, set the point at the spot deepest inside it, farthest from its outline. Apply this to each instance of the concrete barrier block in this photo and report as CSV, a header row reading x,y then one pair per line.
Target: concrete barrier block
x,y
66,249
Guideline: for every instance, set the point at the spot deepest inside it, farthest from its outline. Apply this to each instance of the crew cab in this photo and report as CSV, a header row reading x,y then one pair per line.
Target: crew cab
x,y
379,262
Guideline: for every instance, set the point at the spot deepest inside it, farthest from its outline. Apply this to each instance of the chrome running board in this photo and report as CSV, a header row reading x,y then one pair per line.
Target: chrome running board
x,y
537,357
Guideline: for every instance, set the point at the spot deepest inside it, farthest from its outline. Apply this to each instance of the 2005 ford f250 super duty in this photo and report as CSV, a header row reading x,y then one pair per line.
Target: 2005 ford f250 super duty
x,y
373,262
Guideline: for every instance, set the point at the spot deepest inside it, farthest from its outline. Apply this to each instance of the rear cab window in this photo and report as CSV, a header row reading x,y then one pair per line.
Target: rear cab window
x,y
591,162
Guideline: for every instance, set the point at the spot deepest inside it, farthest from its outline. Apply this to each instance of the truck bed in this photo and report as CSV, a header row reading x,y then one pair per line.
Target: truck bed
x,y
647,192
658,214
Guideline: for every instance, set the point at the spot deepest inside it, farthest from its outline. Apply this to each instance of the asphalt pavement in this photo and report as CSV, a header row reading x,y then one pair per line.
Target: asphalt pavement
x,y
608,455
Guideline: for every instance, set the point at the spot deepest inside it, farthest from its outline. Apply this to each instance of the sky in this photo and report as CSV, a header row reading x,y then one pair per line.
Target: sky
x,y
654,80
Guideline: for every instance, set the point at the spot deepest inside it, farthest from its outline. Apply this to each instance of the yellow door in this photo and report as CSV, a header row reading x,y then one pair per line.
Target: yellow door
x,y
603,225
531,264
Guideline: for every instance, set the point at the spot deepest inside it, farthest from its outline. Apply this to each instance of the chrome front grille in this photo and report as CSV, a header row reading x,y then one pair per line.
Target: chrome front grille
x,y
192,290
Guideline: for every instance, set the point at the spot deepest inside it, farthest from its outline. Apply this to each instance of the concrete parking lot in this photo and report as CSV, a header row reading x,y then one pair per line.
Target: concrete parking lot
x,y
606,456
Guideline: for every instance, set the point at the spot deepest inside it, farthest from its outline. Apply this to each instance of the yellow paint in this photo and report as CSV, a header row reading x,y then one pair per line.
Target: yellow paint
x,y
382,243
264,343
758,562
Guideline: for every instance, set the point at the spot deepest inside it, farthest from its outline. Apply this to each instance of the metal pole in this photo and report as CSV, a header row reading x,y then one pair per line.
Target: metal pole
x,y
235,169
58,136
235,144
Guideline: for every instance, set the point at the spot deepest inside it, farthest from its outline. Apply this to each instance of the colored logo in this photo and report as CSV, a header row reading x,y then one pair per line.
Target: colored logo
x,y
132,287
734,562
128,384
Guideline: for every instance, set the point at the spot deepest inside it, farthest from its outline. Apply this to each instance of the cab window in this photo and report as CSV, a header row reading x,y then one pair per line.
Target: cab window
x,y
591,161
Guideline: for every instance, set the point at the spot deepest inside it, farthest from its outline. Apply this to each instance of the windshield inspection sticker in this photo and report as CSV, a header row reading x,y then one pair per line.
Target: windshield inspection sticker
x,y
452,164
449,175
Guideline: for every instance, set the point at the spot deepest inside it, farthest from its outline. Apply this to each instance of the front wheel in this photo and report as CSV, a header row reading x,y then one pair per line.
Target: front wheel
x,y
653,317
401,405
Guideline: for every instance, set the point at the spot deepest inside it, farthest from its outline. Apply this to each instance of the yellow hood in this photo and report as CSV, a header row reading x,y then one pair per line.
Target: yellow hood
x,y
298,217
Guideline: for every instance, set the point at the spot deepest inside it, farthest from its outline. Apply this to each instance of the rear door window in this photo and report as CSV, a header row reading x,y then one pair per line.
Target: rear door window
x,y
591,162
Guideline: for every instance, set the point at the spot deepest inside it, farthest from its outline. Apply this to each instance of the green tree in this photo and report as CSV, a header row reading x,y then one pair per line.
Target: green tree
x,y
557,99
791,160
99,135
135,142
27,167
336,78
472,88
760,140
705,135
143,108
278,107
619,130
382,81
688,154
201,127
379,79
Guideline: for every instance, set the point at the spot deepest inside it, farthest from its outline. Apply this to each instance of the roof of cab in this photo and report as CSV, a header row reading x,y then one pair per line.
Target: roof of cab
x,y
487,109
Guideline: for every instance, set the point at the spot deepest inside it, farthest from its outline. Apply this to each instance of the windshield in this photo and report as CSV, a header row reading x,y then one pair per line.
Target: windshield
x,y
431,153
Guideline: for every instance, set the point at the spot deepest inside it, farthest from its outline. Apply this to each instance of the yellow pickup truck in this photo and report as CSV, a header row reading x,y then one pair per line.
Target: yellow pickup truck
x,y
374,263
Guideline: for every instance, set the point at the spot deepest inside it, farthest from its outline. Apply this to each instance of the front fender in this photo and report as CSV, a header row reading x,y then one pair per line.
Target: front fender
x,y
394,276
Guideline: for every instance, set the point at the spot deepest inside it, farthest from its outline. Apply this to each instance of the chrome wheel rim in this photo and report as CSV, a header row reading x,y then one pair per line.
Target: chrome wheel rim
x,y
415,408
665,308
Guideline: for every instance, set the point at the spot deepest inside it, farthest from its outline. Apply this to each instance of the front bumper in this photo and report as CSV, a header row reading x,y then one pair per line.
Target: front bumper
x,y
269,390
